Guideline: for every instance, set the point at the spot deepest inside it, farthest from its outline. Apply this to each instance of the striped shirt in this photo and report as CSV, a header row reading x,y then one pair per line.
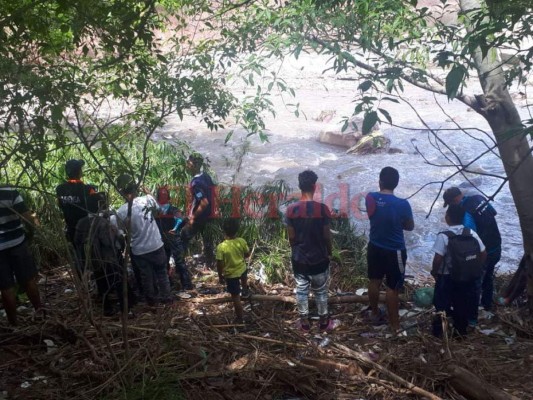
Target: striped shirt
x,y
11,207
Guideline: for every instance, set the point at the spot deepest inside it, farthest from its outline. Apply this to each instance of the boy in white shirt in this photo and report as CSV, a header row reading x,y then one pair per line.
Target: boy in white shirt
x,y
147,251
458,263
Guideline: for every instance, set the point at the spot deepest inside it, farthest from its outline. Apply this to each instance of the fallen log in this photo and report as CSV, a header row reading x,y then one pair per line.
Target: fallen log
x,y
473,387
286,299
363,360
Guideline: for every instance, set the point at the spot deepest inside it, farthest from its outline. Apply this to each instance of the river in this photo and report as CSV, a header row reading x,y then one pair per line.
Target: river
x,y
293,147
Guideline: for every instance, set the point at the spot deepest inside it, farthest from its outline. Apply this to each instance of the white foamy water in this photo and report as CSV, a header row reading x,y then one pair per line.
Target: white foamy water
x,y
293,147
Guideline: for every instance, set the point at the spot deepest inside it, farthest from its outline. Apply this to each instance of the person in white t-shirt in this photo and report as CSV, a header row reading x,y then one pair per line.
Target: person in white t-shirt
x,y
454,297
147,251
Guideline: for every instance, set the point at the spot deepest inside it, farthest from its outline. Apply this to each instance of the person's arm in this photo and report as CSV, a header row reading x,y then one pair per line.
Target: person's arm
x,y
202,206
469,221
292,235
439,249
30,218
408,223
327,238
437,263
483,256
220,269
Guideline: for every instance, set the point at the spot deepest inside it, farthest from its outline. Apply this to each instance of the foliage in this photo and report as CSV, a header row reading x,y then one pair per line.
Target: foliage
x,y
38,182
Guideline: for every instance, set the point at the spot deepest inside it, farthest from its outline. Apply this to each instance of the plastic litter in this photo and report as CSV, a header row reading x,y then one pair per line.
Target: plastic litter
x,y
423,297
324,342
50,346
25,385
360,292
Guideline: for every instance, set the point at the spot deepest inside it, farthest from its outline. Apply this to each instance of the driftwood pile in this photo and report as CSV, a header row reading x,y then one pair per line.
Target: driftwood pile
x,y
192,350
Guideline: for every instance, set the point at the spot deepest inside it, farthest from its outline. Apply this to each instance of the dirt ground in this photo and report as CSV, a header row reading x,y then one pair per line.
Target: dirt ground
x,y
192,350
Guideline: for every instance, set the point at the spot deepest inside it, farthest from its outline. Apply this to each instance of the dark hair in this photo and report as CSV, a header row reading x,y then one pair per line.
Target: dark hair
x,y
455,214
96,201
389,178
230,226
197,159
126,184
306,180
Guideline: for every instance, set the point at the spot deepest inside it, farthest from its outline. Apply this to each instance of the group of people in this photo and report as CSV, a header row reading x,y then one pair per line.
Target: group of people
x,y
158,231
465,254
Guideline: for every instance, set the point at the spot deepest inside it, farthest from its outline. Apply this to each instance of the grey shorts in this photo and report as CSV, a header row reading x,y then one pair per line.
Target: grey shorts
x,y
16,262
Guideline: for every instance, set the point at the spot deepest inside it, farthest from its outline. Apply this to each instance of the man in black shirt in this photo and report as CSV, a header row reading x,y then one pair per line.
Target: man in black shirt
x,y
72,196
308,225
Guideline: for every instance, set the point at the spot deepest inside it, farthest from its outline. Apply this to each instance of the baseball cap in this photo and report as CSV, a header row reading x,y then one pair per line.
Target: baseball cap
x,y
450,194
73,167
126,183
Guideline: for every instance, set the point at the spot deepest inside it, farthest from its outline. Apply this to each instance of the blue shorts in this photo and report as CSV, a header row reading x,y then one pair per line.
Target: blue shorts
x,y
233,285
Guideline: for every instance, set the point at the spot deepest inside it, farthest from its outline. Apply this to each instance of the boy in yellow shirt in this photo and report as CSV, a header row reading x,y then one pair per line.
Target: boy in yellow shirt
x,y
231,265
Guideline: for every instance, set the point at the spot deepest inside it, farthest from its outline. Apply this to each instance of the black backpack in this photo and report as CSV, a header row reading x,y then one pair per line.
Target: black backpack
x,y
465,257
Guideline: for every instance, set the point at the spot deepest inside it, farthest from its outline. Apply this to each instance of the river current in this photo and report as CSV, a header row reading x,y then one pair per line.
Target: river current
x,y
293,147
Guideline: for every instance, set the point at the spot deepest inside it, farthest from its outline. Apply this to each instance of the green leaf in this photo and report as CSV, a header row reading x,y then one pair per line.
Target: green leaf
x,y
366,85
228,137
386,114
369,121
454,79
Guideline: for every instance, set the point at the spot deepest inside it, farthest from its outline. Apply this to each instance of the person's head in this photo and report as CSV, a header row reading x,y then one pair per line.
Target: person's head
x,y
230,227
195,162
452,195
454,215
126,185
388,178
97,202
163,195
73,168
307,181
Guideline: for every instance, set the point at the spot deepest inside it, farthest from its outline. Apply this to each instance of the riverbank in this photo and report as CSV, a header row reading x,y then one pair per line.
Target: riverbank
x,y
192,350
293,146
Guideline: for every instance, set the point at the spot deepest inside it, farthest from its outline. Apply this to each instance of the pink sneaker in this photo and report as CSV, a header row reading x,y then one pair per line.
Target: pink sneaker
x,y
331,325
303,326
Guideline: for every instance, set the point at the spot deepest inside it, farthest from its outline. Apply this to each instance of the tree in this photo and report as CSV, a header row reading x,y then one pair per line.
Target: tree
x,y
393,41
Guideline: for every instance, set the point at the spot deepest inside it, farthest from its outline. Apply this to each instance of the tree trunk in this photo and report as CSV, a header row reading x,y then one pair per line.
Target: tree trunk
x,y
502,115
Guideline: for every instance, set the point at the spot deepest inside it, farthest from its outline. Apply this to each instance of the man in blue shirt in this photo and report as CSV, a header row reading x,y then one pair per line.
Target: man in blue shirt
x,y
202,191
480,217
389,217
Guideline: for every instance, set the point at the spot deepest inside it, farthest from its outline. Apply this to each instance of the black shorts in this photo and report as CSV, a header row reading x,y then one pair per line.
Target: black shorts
x,y
16,262
386,263
233,285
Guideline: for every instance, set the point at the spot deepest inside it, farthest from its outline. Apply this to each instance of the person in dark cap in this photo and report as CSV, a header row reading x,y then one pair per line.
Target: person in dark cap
x,y
72,196
480,217
170,221
147,250
100,245
202,191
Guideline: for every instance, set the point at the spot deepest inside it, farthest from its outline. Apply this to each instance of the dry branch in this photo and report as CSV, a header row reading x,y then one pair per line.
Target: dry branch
x,y
475,388
287,299
398,379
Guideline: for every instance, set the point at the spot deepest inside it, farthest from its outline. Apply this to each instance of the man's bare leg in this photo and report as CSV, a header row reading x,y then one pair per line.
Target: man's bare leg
x,y
9,299
393,306
32,290
373,296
